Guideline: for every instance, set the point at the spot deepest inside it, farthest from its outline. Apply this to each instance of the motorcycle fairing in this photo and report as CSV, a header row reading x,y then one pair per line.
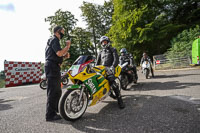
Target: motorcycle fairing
x,y
98,87
96,83
75,86
146,64
117,71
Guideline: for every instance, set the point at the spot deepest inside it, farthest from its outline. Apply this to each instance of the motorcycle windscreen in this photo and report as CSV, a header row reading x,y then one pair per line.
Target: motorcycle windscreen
x,y
74,69
83,59
80,64
145,64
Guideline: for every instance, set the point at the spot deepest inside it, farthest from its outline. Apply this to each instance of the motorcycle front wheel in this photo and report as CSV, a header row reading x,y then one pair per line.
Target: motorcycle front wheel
x,y
65,80
135,79
118,83
124,81
69,106
43,84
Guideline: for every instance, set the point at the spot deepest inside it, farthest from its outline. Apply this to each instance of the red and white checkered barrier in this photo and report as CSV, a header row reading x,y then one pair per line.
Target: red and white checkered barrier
x,y
18,73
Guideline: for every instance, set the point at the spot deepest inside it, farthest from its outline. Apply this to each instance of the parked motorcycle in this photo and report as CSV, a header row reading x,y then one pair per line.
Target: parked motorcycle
x,y
43,82
64,80
127,76
146,68
90,86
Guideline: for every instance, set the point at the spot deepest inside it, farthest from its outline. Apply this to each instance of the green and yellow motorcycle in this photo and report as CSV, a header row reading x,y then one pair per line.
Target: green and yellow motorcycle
x,y
90,86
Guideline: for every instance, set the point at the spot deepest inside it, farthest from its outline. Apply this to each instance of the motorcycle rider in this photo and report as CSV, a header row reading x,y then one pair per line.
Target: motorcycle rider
x,y
108,57
147,58
125,57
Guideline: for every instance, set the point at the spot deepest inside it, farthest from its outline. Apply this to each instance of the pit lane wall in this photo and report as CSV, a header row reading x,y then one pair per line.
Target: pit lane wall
x,y
19,73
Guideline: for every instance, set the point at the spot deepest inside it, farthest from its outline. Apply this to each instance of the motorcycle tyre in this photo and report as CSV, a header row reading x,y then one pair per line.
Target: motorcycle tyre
x,y
146,73
62,104
41,84
124,87
135,81
65,80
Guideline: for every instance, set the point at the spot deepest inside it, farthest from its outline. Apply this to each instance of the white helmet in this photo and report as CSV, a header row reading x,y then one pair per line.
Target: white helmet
x,y
105,38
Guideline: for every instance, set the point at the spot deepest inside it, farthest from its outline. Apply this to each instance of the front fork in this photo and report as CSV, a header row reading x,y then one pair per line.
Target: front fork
x,y
82,89
115,88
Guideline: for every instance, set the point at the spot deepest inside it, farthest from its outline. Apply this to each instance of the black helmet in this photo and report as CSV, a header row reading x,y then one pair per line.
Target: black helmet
x,y
57,28
105,38
123,50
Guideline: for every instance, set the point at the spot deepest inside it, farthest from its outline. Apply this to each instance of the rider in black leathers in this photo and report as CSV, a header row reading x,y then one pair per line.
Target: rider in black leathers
x,y
125,57
108,57
145,57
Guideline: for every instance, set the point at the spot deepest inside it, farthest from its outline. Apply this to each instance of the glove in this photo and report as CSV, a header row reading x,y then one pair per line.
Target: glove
x,y
112,68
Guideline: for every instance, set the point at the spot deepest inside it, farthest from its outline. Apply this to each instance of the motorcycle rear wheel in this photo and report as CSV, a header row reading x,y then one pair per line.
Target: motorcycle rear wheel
x,y
69,108
65,80
43,84
135,81
124,81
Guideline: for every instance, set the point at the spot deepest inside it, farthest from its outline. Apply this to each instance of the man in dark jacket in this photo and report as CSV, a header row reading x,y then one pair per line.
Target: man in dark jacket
x,y
54,57
108,57
146,58
125,57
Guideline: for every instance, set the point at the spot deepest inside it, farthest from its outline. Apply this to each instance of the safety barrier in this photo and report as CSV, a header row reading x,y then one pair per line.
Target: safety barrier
x,y
18,73
161,62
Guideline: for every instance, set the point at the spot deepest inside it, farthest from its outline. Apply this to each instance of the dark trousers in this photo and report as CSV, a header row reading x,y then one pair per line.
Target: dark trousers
x,y
135,71
53,95
54,91
113,84
152,73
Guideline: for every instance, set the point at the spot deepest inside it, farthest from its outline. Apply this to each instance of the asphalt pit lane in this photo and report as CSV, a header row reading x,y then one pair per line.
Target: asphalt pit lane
x,y
181,110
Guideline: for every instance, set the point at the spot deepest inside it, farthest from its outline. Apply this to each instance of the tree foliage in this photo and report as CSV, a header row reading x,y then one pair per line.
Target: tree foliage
x,y
98,19
141,25
68,22
80,38
64,19
83,41
138,25
182,43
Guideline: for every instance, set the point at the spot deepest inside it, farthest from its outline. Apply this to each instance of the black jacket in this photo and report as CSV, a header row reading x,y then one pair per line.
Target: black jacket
x,y
53,46
126,58
145,59
108,57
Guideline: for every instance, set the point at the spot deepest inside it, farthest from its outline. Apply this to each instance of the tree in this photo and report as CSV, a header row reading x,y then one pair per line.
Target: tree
x,y
64,19
98,19
141,25
83,45
182,43
82,38
68,22
2,74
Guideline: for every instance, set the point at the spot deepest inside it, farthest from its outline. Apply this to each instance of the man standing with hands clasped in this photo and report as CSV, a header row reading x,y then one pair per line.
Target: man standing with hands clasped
x,y
53,59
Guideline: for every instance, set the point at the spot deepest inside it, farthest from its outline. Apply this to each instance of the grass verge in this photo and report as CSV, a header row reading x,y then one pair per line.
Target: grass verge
x,y
2,83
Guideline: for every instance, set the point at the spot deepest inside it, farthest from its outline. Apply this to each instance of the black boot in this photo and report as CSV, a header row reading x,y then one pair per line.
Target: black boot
x,y
136,76
120,102
118,95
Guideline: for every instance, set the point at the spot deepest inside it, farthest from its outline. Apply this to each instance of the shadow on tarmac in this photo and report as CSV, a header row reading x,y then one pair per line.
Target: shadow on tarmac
x,y
170,85
143,113
172,76
4,106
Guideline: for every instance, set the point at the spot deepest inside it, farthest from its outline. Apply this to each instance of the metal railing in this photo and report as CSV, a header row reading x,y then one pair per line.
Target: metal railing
x,y
160,62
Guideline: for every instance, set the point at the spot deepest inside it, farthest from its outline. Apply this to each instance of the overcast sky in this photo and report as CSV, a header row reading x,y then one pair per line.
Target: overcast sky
x,y
23,32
